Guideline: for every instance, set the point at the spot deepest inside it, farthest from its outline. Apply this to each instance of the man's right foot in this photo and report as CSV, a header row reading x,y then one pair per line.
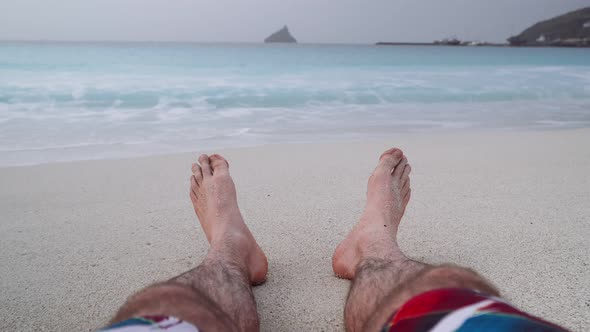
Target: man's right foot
x,y
214,198
375,235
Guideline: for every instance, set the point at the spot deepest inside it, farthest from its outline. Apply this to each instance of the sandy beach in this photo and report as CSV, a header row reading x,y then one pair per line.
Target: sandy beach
x,y
78,238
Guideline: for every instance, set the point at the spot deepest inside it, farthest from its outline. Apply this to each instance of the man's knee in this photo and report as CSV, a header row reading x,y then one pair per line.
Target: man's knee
x,y
450,276
177,300
158,299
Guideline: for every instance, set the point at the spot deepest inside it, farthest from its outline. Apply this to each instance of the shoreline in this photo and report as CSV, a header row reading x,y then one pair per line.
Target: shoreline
x,y
79,237
479,45
341,140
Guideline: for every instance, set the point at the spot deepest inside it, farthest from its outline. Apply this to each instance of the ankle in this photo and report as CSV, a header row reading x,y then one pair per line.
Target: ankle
x,y
236,247
384,251
381,263
229,260
373,230
230,246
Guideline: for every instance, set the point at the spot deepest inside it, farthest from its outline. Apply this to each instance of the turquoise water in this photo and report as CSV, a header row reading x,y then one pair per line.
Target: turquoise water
x,y
69,101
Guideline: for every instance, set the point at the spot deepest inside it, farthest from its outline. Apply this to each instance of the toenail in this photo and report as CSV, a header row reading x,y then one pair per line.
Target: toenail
x,y
397,153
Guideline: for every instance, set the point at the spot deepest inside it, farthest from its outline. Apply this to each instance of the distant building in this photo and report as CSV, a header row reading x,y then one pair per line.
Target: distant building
x,y
586,25
541,39
449,42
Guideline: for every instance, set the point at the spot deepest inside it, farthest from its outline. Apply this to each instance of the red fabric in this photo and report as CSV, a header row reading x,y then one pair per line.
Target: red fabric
x,y
439,300
426,310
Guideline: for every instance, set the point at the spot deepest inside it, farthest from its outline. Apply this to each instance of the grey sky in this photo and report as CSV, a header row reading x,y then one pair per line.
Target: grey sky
x,y
334,21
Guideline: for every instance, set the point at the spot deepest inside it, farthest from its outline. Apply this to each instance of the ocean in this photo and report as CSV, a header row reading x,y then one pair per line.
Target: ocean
x,y
77,101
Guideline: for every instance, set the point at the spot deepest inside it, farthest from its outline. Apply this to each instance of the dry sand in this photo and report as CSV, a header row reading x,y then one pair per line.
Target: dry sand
x,y
77,238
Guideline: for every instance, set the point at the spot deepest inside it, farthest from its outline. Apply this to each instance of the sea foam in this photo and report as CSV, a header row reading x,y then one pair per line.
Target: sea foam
x,y
89,101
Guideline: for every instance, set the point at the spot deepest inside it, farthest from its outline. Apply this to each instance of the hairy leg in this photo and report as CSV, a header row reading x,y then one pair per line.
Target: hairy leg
x,y
383,277
374,281
216,295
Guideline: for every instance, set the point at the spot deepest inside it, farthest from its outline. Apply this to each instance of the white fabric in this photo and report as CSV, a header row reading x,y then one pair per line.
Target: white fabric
x,y
171,324
455,320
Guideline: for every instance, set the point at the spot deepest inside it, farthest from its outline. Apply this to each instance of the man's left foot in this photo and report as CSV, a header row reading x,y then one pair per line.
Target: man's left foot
x,y
375,235
214,198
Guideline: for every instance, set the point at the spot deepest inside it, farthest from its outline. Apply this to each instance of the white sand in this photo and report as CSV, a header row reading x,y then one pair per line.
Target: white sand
x,y
76,239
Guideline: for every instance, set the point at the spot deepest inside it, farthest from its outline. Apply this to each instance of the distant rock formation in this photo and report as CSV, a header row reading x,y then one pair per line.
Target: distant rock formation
x,y
571,29
281,36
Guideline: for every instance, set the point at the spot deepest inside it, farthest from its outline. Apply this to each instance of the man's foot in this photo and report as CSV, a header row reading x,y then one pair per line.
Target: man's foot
x,y
214,198
375,235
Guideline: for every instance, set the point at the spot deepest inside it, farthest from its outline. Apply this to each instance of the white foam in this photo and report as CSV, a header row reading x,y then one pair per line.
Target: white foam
x,y
148,105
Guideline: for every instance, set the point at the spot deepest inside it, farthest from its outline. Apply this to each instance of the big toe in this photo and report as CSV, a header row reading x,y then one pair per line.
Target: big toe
x,y
218,163
389,160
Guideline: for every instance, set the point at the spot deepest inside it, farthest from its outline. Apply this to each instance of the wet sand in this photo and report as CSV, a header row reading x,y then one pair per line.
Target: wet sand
x,y
78,238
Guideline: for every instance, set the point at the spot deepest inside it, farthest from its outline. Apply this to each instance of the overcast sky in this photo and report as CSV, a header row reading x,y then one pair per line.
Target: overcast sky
x,y
313,21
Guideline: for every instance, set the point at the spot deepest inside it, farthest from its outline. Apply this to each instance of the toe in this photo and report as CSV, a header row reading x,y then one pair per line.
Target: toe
x,y
406,174
389,159
406,187
194,188
407,197
205,165
197,173
218,163
399,169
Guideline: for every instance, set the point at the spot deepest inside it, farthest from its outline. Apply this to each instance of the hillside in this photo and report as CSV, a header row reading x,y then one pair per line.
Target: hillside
x,y
571,28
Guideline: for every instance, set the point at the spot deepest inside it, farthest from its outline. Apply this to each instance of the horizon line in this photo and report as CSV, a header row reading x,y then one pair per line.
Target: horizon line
x,y
172,42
